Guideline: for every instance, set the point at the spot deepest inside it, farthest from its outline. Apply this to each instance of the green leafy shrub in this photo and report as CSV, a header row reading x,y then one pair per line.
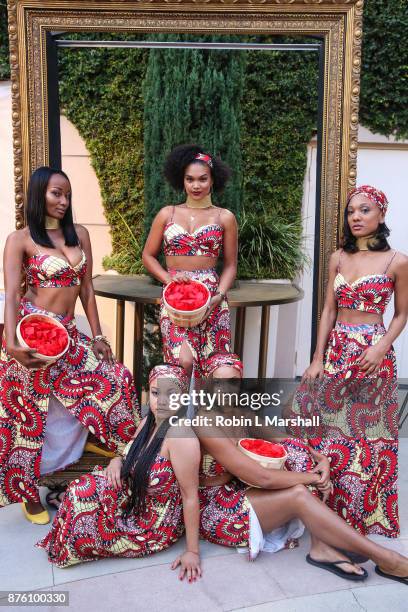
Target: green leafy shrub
x,y
269,247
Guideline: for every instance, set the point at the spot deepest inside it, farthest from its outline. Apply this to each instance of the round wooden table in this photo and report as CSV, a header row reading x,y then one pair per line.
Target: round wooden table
x,y
141,291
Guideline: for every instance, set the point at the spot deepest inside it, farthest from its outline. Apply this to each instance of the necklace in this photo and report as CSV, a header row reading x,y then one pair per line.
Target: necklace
x,y
205,202
51,223
365,241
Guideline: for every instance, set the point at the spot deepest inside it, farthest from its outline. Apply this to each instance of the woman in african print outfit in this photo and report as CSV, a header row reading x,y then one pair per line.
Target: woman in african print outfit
x,y
137,505
272,516
46,411
354,372
194,234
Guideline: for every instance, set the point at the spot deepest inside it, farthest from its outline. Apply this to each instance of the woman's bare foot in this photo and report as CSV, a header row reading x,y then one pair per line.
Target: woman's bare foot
x,y
319,551
396,565
34,507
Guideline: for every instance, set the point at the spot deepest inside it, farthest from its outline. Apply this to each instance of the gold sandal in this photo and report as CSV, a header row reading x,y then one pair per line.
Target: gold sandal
x,y
42,518
90,447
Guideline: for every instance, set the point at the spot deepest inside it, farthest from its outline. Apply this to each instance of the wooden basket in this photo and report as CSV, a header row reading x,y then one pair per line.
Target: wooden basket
x,y
186,318
48,358
275,463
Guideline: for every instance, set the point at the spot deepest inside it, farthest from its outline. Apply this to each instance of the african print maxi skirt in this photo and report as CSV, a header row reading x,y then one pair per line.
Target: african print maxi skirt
x,y
90,525
211,336
358,429
102,397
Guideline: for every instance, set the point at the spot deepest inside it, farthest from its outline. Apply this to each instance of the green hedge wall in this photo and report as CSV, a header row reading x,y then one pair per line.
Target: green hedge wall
x,y
384,76
4,48
279,117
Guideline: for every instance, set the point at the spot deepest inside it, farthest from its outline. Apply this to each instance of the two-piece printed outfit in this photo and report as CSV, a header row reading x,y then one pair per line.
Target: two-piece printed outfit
x,y
359,412
214,334
45,414
89,524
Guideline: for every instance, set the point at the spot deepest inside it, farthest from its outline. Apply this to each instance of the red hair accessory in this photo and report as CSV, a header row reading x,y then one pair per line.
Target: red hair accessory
x,y
375,195
207,159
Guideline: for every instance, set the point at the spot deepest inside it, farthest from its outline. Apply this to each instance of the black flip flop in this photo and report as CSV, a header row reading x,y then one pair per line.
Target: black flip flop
x,y
403,580
354,557
333,567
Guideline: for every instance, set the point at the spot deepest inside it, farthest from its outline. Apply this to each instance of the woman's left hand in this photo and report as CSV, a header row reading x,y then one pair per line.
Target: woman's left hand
x,y
190,566
215,300
322,467
103,351
371,359
325,490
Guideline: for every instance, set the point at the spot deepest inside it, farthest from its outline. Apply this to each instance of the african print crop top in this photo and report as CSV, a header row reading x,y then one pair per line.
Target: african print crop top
x,y
205,240
370,293
44,270
210,467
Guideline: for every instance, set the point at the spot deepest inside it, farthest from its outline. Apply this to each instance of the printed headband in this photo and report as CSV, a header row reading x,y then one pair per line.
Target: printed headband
x,y
375,195
177,373
207,159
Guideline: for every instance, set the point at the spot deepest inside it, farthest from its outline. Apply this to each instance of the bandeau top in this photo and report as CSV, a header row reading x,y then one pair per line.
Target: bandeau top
x,y
205,240
370,293
52,271
209,467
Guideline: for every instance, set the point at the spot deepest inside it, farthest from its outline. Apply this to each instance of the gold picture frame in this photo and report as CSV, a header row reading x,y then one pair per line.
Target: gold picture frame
x,y
338,22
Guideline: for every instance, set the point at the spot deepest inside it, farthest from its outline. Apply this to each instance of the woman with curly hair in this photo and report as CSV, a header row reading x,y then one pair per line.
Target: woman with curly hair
x,y
354,362
194,235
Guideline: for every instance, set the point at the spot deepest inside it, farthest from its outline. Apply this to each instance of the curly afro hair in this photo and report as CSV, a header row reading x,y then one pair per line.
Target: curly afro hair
x,y
184,155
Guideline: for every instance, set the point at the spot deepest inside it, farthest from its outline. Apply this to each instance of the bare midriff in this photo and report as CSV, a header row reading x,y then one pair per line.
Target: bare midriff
x,y
215,481
357,317
59,300
190,262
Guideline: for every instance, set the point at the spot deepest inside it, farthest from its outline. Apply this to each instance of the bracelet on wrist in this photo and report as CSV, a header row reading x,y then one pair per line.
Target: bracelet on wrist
x,y
101,338
221,293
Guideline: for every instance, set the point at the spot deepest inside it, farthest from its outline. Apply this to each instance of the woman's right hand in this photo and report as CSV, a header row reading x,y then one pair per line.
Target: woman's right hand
x,y
313,372
25,357
178,277
113,471
190,566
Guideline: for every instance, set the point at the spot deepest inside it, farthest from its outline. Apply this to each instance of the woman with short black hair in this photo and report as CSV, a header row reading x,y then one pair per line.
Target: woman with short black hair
x,y
194,235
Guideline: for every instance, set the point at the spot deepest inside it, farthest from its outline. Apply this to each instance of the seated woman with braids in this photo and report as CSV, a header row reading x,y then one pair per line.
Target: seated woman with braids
x,y
140,504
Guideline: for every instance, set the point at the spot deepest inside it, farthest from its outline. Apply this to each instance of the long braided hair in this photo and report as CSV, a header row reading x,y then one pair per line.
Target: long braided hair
x,y
143,452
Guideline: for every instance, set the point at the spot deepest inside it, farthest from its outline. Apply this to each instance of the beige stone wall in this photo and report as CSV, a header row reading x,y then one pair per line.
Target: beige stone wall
x,y
88,211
